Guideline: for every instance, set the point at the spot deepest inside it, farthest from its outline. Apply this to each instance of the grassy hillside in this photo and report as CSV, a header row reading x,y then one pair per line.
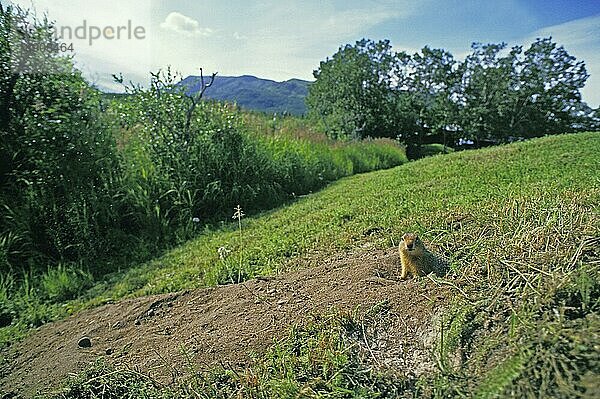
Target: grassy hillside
x,y
520,224
432,197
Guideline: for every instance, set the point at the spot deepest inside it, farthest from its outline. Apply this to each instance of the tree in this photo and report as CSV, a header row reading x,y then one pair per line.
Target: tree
x,y
485,86
428,83
352,95
521,94
548,89
495,94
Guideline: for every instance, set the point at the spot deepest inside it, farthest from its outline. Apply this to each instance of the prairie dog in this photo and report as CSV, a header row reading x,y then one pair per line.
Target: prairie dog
x,y
416,259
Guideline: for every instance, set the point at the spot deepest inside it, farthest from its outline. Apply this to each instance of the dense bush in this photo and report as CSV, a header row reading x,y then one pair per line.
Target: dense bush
x,y
172,176
58,158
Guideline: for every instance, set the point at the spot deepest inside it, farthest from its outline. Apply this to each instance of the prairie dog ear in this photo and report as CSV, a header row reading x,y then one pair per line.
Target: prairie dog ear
x,y
405,236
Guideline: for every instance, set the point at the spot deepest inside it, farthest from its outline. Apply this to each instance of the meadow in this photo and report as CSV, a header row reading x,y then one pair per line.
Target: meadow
x,y
520,224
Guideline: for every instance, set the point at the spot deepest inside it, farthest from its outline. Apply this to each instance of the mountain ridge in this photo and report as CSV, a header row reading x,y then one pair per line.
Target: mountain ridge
x,y
254,93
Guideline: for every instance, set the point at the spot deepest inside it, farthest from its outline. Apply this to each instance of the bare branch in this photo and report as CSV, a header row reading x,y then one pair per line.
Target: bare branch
x,y
194,101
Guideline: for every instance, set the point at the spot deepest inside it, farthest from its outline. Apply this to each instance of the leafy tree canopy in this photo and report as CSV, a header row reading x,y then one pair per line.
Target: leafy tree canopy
x,y
495,93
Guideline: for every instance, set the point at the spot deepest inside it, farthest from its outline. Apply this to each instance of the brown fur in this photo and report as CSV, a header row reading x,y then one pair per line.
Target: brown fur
x,y
416,259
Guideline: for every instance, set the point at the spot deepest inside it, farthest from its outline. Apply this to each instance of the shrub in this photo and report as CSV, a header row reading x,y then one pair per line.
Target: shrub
x,y
57,157
65,282
427,150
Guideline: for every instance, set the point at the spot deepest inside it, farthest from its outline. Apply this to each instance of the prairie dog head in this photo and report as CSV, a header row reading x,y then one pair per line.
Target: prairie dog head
x,y
412,243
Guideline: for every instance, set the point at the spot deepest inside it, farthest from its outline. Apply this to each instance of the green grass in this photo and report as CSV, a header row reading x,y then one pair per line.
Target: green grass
x,y
518,221
528,180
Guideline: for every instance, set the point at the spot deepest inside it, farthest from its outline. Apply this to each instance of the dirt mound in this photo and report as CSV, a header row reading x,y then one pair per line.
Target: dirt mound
x,y
224,324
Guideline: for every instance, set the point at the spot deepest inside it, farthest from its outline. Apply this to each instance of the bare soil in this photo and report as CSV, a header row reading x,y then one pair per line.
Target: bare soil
x,y
224,325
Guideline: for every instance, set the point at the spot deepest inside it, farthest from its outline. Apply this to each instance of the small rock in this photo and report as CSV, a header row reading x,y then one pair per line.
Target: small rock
x,y
109,351
281,302
84,342
137,322
150,313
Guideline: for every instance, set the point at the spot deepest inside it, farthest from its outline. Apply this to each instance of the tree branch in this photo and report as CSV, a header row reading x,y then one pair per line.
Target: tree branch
x,y
195,100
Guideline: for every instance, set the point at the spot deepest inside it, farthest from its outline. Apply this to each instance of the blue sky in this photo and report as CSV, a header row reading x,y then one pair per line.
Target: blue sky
x,y
287,39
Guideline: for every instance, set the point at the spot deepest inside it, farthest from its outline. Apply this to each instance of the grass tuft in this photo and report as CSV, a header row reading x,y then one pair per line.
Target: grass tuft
x,y
65,282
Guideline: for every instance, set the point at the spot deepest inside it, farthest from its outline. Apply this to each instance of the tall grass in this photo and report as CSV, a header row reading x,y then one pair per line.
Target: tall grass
x,y
302,165
172,177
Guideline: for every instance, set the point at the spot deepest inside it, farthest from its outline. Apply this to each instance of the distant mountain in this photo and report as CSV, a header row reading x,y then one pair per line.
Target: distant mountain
x,y
254,93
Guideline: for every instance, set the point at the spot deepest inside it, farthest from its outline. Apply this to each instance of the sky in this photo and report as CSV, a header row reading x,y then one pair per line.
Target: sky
x,y
280,40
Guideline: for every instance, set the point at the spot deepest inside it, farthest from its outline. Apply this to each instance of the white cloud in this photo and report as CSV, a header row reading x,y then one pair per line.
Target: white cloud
x,y
238,36
350,22
578,32
290,39
185,25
